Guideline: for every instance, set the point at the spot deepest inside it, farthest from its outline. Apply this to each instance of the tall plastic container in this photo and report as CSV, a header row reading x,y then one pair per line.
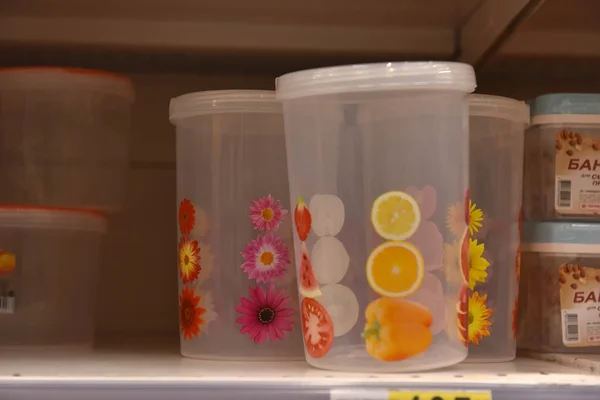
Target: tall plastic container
x,y
562,158
560,287
378,171
497,126
237,286
48,267
64,135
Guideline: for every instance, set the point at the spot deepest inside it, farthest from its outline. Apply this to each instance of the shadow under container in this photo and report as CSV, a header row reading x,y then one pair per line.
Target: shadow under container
x,y
49,261
237,287
560,288
562,158
378,165
496,126
64,136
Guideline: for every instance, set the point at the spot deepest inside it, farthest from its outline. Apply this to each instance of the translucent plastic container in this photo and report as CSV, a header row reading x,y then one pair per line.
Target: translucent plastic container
x,y
377,158
560,288
497,126
237,287
48,268
64,137
562,158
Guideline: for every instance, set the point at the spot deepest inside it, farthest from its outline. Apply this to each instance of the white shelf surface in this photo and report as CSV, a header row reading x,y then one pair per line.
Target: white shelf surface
x,y
585,362
107,375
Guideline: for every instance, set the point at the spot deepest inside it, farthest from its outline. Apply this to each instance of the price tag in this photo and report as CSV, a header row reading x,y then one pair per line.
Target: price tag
x,y
380,394
422,395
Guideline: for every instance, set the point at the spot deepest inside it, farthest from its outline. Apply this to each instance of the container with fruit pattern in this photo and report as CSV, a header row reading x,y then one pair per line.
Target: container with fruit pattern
x,y
562,158
560,288
378,172
497,126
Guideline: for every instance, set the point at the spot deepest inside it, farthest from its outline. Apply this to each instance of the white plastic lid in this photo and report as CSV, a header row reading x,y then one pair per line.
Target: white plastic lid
x,y
33,217
223,101
59,78
432,75
483,105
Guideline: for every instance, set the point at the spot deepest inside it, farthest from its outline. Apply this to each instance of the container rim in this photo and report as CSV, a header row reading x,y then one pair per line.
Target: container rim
x,y
549,119
485,105
561,233
566,104
544,247
48,217
407,75
33,77
223,101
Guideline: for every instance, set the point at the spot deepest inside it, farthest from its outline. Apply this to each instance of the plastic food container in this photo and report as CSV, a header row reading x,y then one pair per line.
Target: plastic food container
x,y
560,285
64,137
497,126
48,267
562,158
377,159
237,287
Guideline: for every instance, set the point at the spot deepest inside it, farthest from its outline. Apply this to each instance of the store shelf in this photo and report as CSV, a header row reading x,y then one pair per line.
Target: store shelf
x,y
395,29
555,48
588,363
507,37
149,375
558,28
521,48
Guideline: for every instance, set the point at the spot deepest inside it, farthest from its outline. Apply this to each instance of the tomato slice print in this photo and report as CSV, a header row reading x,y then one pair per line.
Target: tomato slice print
x,y
317,327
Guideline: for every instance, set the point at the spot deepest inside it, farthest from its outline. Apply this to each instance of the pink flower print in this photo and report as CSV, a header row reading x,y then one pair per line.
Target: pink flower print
x,y
266,258
427,238
426,198
431,296
265,314
266,214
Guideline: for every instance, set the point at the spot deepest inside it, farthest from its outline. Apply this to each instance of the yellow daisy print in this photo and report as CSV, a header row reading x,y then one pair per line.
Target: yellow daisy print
x,y
455,219
478,318
477,264
475,217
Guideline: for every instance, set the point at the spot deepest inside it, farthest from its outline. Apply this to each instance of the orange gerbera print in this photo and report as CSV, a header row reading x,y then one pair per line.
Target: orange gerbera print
x,y
187,217
478,318
190,315
189,260
515,314
518,264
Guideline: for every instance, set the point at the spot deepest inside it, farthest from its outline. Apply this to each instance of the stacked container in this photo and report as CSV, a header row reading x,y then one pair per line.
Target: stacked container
x,y
561,236
377,163
63,158
237,286
497,126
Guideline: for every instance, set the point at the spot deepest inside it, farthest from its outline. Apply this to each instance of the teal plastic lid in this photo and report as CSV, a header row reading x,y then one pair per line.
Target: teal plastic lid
x,y
566,108
561,232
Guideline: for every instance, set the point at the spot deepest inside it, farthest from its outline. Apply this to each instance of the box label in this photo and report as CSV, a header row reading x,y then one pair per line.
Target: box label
x,y
580,305
577,174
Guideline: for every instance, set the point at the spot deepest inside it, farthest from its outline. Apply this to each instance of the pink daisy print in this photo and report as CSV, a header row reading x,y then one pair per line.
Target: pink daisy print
x,y
427,238
267,258
266,214
265,314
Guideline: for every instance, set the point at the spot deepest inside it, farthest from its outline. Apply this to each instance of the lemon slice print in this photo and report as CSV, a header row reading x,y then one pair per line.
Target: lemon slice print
x,y
395,269
395,216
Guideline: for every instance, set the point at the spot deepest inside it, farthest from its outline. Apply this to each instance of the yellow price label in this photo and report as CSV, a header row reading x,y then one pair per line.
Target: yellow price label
x,y
421,395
